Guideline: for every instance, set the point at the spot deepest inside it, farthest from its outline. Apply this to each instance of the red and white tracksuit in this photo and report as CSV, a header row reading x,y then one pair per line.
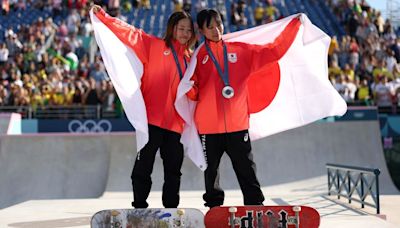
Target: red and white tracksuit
x,y
159,85
223,123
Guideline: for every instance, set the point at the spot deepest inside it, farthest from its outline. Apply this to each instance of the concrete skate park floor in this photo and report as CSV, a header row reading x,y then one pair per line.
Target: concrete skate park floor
x,y
62,180
77,212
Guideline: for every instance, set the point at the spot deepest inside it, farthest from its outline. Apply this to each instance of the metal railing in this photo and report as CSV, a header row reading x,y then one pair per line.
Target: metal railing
x,y
62,112
346,180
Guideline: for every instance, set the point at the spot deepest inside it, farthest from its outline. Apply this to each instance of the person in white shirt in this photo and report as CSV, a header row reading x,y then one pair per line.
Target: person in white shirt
x,y
383,92
3,53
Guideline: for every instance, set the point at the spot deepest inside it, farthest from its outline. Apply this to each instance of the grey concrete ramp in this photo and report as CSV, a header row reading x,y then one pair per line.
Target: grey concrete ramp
x,y
52,167
86,166
300,154
303,152
122,157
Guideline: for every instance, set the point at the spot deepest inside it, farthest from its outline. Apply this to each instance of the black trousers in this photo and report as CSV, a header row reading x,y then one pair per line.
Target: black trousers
x,y
171,151
238,147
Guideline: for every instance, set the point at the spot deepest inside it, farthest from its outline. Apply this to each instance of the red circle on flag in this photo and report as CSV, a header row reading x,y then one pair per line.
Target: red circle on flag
x,y
263,86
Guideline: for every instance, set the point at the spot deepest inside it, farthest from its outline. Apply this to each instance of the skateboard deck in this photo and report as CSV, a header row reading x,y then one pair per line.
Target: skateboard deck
x,y
262,216
149,217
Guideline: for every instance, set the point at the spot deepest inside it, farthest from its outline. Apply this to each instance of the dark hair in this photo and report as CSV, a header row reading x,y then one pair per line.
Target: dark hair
x,y
172,22
205,16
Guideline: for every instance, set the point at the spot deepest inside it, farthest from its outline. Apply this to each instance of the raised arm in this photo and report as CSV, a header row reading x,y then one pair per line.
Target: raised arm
x,y
271,52
131,36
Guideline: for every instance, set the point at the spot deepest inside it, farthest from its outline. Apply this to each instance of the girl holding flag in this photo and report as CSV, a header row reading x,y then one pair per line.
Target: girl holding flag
x,y
220,88
164,62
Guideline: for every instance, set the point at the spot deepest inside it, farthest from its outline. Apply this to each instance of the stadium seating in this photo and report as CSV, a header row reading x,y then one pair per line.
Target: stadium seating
x,y
153,20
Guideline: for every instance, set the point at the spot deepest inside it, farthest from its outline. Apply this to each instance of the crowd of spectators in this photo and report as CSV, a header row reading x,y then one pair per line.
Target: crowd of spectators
x,y
45,64
364,64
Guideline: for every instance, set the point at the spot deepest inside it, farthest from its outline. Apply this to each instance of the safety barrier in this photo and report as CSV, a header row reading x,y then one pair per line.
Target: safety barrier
x,y
344,181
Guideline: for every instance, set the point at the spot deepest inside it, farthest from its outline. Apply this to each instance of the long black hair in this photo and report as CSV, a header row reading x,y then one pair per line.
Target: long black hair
x,y
173,22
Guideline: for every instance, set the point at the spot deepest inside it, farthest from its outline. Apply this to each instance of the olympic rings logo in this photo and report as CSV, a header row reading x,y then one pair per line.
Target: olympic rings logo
x,y
89,126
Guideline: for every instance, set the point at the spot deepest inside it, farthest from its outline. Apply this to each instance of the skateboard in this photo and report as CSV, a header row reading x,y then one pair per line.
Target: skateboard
x,y
150,217
262,216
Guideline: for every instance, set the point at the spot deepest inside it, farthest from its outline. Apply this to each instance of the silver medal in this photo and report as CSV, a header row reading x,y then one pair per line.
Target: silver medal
x,y
228,92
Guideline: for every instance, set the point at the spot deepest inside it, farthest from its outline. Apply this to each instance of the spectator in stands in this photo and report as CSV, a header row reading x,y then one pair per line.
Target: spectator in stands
x,y
364,93
396,49
349,72
5,7
341,86
390,61
145,4
108,96
259,14
73,21
354,56
49,27
178,5
72,60
187,6
92,94
99,74
381,70
383,94
234,16
221,8
334,70
113,5
3,54
333,50
164,63
14,45
135,3
389,34
4,96
201,4
27,46
21,5
352,24
56,6
271,12
77,98
344,54
351,88
242,23
396,88
379,23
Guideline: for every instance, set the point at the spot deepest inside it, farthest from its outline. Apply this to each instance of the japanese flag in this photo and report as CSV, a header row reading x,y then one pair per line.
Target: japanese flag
x,y
291,93
125,71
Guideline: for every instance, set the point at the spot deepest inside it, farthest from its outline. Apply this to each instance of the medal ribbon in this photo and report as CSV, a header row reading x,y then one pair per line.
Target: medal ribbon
x,y
178,65
224,76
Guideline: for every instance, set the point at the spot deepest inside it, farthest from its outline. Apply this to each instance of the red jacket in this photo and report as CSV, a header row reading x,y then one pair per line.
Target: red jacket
x,y
216,114
160,78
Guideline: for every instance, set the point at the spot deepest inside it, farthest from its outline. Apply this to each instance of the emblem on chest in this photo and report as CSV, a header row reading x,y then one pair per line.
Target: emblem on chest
x,y
205,59
232,57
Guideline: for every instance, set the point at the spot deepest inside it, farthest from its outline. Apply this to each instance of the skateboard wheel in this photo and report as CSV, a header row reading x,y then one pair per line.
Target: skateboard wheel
x,y
296,208
114,213
180,212
232,210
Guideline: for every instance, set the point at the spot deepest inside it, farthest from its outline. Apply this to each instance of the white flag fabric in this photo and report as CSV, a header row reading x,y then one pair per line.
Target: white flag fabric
x,y
304,92
125,71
